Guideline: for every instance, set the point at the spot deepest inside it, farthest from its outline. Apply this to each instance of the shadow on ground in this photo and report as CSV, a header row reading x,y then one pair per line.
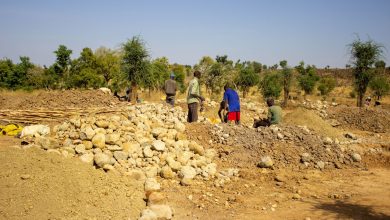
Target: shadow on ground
x,y
345,210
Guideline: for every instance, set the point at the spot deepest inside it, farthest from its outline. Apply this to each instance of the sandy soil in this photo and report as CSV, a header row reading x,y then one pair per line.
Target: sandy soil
x,y
35,185
38,185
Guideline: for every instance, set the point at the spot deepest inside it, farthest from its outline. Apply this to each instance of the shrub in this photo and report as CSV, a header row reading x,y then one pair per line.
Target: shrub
x,y
326,85
270,85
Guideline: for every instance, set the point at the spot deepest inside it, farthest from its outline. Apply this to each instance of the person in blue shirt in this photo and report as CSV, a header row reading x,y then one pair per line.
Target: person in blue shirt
x,y
232,100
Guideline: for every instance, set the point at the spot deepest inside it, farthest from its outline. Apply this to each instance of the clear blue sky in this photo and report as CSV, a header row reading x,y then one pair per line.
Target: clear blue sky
x,y
315,31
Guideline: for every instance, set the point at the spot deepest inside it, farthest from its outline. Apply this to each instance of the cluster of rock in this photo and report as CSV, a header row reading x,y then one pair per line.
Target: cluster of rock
x,y
254,107
146,140
286,145
319,106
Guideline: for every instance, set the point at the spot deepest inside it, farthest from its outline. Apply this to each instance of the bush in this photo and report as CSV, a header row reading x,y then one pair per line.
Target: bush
x,y
270,85
247,78
326,85
307,78
380,86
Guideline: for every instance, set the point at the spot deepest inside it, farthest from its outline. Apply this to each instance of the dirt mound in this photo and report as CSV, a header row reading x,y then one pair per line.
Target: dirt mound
x,y
243,147
56,99
304,117
35,185
366,119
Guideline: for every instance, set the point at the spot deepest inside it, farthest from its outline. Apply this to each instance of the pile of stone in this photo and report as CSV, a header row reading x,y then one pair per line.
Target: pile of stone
x,y
254,107
284,146
145,140
319,106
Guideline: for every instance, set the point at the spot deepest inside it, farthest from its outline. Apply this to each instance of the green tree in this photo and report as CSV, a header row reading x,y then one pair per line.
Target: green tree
x,y
286,76
204,66
63,60
180,73
326,85
257,67
380,64
380,67
108,63
36,77
247,78
15,75
307,78
135,63
160,71
6,71
220,72
380,86
364,54
270,85
83,72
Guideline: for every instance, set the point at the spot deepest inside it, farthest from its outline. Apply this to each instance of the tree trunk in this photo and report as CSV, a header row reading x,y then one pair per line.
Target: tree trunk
x,y
286,93
360,99
133,93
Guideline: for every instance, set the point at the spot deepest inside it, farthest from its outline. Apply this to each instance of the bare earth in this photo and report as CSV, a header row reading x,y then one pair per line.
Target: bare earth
x,y
35,184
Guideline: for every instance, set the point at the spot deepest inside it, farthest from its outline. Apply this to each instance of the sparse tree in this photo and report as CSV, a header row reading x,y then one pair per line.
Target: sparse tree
x,y
160,71
108,63
219,73
307,78
270,85
287,78
363,57
63,60
180,73
257,67
326,85
380,86
83,72
6,70
247,78
135,63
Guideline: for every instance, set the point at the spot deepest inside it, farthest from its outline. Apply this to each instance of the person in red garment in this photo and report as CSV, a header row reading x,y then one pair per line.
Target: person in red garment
x,y
232,100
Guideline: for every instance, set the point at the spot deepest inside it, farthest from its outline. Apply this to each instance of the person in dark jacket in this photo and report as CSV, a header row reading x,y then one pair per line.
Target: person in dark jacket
x,y
170,89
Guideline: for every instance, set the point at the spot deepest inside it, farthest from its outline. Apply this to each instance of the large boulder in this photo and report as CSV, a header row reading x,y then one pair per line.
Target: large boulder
x,y
102,159
47,142
87,158
102,123
266,162
180,127
121,155
167,173
112,138
158,131
158,145
187,172
162,211
196,148
99,140
148,214
151,184
88,145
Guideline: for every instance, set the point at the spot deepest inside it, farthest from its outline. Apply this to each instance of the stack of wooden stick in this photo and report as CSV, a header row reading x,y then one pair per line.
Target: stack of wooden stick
x,y
38,116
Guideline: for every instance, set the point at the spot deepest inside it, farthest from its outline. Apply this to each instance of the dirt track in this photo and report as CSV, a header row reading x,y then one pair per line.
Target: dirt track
x,y
39,185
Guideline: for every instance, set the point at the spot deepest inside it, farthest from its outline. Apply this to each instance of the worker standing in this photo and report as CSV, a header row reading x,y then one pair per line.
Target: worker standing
x,y
193,98
170,89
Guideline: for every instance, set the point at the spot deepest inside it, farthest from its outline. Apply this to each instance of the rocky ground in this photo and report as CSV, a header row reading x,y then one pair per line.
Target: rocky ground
x,y
144,161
